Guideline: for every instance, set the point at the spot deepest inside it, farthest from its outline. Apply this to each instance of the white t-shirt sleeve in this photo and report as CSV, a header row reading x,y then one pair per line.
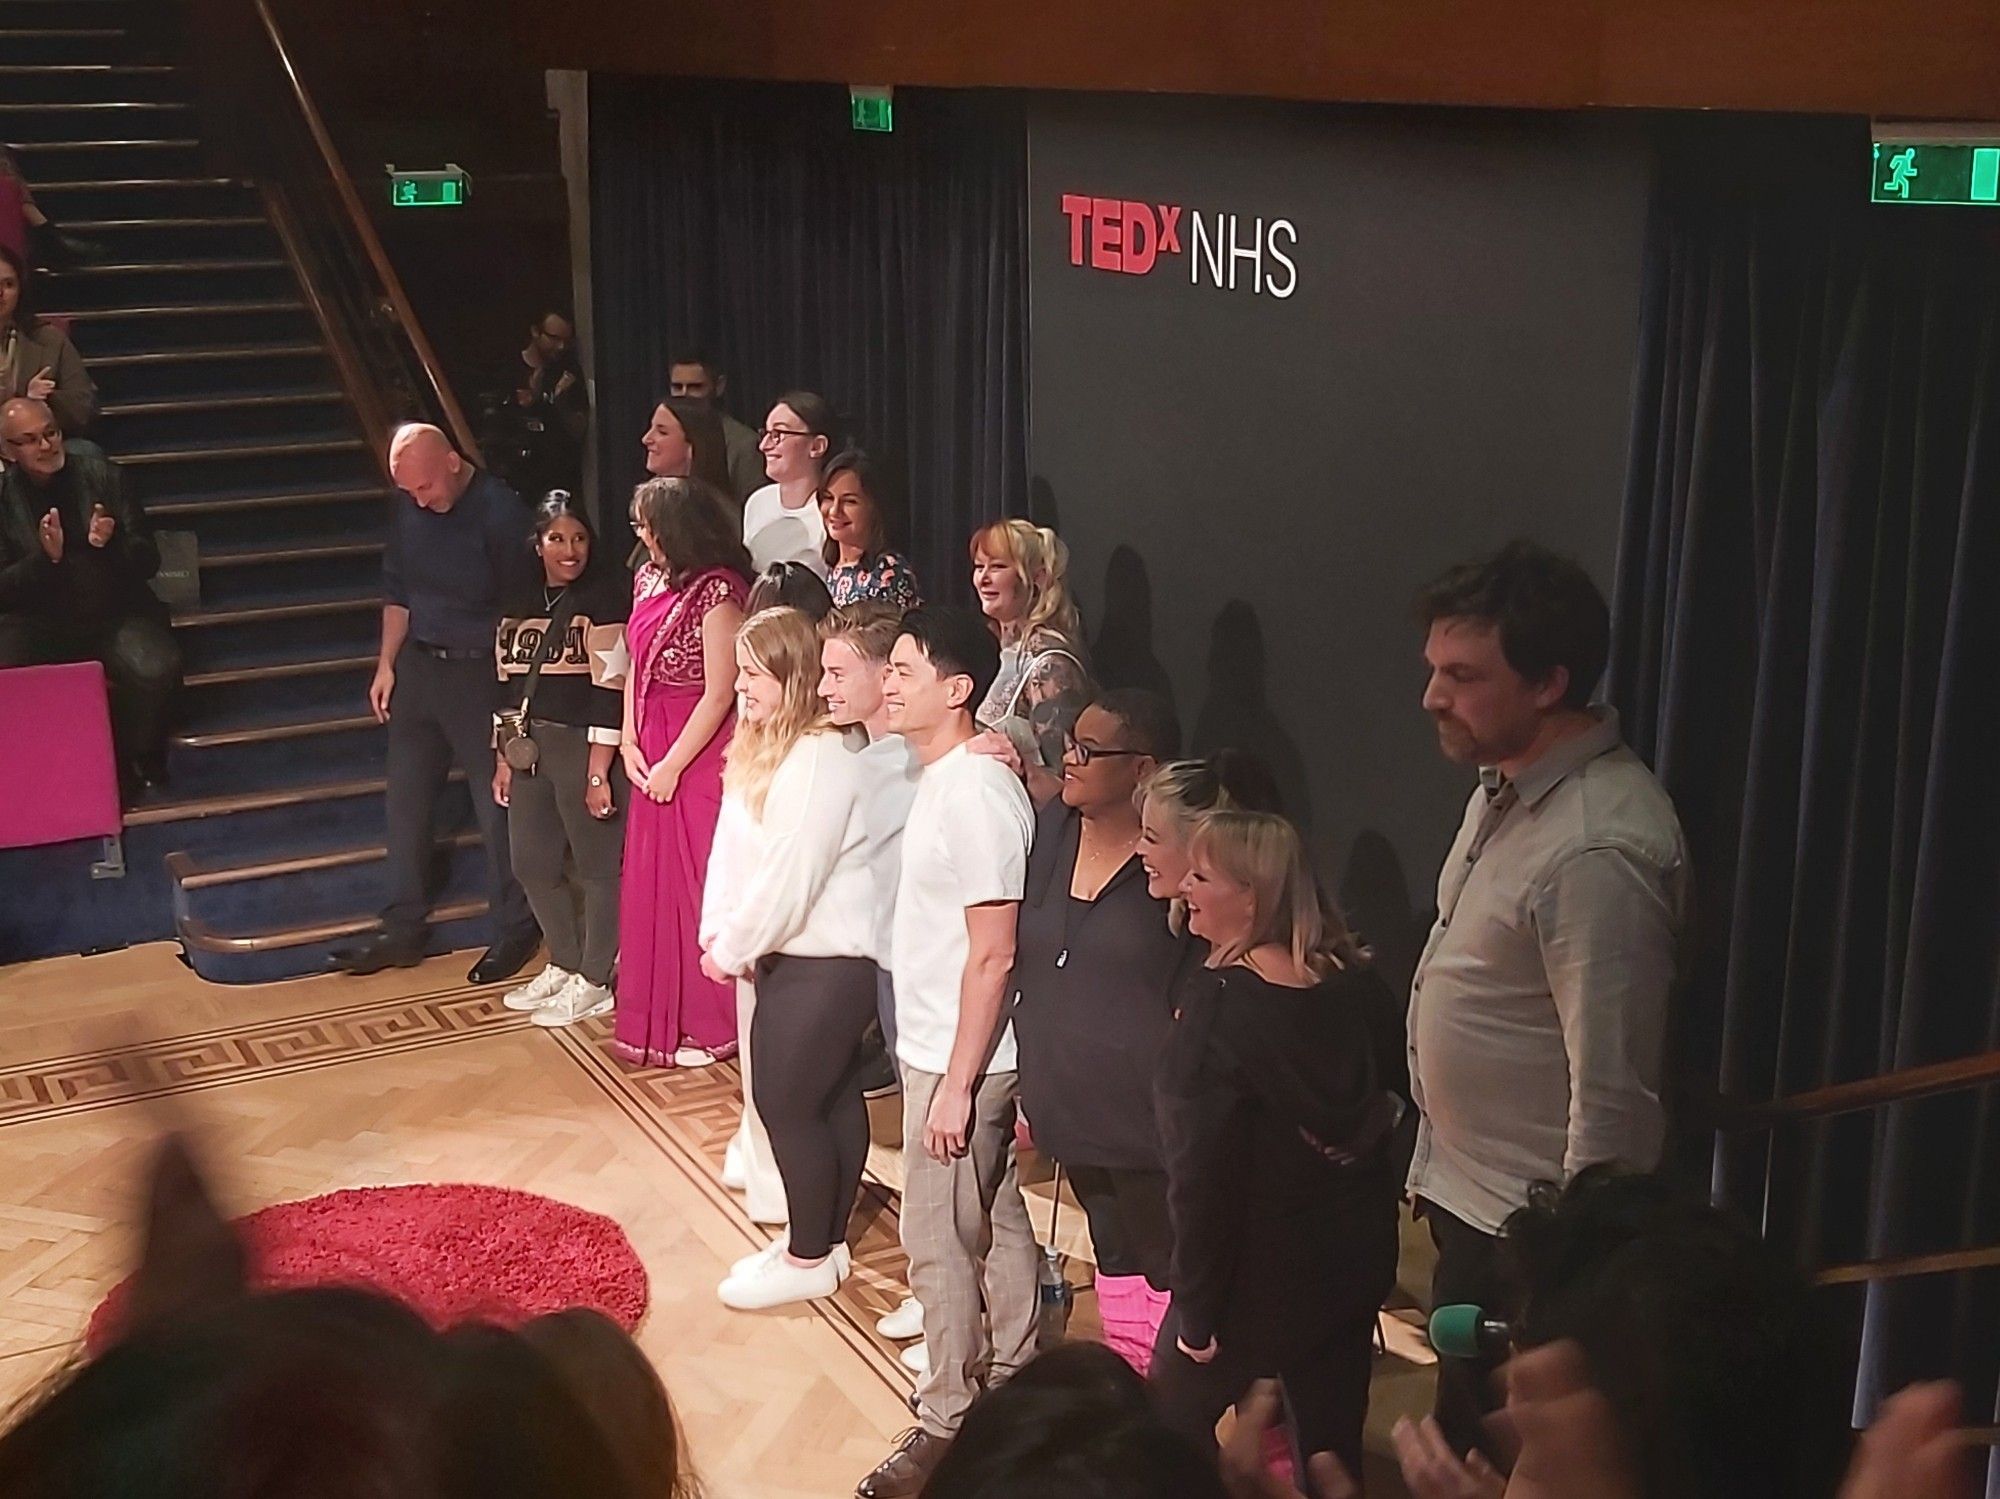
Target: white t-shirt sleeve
x,y
806,816
987,834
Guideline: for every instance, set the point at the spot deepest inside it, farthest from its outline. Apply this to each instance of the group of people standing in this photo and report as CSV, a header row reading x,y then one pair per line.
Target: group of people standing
x,y
764,801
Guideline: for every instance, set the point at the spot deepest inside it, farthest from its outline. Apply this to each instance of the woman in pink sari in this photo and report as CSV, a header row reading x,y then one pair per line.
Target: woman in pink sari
x,y
680,705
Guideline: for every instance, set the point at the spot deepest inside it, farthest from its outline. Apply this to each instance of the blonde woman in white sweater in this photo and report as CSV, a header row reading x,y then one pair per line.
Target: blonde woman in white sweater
x,y
799,921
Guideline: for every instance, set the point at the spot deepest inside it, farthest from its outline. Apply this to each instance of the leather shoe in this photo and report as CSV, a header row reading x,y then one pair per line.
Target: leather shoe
x,y
374,955
904,1471
505,958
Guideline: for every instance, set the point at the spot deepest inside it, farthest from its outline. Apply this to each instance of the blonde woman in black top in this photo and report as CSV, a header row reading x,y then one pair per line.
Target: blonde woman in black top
x,y
564,824
1275,1126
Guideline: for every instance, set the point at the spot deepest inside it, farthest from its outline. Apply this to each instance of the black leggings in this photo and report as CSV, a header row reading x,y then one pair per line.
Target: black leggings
x,y
805,1055
1324,1385
1130,1233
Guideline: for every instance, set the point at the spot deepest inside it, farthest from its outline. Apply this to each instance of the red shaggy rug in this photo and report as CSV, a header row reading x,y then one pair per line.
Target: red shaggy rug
x,y
452,1253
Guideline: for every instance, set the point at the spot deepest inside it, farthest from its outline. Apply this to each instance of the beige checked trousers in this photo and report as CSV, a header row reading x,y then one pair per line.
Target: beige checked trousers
x,y
974,1263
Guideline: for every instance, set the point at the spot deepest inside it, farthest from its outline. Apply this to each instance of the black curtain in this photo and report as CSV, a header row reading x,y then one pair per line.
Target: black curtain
x,y
886,272
1807,636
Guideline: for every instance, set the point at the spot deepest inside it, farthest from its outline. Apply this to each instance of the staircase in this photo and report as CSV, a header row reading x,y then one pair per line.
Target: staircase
x,y
222,405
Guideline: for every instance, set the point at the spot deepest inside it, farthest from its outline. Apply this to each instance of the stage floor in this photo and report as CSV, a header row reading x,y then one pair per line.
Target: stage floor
x,y
412,1076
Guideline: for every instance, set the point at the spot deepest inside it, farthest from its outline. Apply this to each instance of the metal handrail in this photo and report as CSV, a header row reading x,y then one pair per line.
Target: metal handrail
x,y
371,244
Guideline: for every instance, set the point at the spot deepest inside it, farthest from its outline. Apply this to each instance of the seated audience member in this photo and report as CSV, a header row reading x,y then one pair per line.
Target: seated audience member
x,y
1020,574
29,232
564,829
694,376
801,927
1094,971
790,585
75,559
782,520
605,1373
1662,1350
1538,1012
538,413
1073,1424
1275,1128
214,1390
862,529
37,359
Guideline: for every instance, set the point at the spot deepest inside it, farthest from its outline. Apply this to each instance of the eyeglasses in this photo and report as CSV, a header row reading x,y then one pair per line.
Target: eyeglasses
x,y
779,434
1085,753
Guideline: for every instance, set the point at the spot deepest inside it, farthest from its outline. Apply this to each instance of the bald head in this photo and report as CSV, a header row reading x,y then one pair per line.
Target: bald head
x,y
30,437
427,467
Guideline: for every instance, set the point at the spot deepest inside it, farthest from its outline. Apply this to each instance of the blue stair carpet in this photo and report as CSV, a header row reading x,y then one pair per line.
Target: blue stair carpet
x,y
222,405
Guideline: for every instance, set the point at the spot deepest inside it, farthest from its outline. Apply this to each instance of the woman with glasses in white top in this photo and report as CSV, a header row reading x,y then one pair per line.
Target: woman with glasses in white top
x,y
782,521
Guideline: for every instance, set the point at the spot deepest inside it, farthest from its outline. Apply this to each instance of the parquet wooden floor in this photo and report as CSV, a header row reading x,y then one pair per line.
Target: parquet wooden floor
x,y
309,1086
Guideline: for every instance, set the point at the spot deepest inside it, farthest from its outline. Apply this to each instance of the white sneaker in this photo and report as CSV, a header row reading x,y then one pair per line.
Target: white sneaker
x,y
694,1056
904,1323
917,1359
539,990
778,1282
579,1000
841,1256
734,1176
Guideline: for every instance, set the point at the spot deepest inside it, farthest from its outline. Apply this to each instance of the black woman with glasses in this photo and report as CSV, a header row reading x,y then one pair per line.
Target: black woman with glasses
x,y
1094,965
782,521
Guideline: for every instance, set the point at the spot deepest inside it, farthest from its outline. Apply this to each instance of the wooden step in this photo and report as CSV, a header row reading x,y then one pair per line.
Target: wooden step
x,y
273,733
188,809
172,267
95,69
242,450
24,148
238,504
329,552
181,309
230,676
222,403
258,614
215,352
61,34
189,875
199,934
96,106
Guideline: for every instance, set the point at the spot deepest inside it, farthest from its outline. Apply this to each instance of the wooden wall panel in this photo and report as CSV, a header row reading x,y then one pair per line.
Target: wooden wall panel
x,y
1882,57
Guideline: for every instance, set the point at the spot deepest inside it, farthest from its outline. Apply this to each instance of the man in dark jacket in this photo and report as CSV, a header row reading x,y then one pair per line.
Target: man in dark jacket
x,y
75,557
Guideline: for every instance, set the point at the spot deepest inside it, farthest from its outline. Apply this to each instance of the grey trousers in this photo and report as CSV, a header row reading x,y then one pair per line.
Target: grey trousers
x,y
974,1263
548,825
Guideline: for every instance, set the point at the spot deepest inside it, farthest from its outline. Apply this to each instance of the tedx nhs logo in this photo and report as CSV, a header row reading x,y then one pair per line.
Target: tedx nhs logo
x,y
1225,251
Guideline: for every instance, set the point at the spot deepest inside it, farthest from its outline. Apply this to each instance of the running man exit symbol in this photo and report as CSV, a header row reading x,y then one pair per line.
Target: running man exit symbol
x,y
1902,170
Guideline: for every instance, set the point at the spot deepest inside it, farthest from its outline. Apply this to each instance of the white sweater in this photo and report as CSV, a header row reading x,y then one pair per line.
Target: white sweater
x,y
800,880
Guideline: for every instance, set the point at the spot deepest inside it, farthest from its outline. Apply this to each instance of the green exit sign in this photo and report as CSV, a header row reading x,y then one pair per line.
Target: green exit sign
x,y
1963,172
447,188
871,108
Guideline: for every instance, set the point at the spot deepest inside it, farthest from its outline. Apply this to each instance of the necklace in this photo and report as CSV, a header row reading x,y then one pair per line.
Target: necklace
x,y
552,597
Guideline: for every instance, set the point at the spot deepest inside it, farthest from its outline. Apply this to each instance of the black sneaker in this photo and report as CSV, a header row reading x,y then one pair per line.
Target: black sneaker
x,y
506,957
376,954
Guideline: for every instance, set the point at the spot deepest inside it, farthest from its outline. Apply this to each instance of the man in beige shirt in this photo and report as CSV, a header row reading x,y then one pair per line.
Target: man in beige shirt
x,y
1538,1012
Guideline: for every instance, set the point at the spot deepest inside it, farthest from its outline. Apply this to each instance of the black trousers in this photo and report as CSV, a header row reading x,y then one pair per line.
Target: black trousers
x,y
567,860
1130,1232
1466,1272
441,715
805,1070
142,670
1324,1380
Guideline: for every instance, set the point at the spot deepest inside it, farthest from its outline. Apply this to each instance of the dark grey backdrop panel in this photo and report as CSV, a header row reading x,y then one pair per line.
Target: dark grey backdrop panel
x,y
1253,482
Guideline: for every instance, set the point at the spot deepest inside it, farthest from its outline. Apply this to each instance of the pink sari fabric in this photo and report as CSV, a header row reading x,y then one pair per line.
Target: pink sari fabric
x,y
664,1000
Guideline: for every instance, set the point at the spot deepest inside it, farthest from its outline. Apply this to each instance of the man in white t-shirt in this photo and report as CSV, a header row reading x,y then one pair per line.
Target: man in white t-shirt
x,y
973,1257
